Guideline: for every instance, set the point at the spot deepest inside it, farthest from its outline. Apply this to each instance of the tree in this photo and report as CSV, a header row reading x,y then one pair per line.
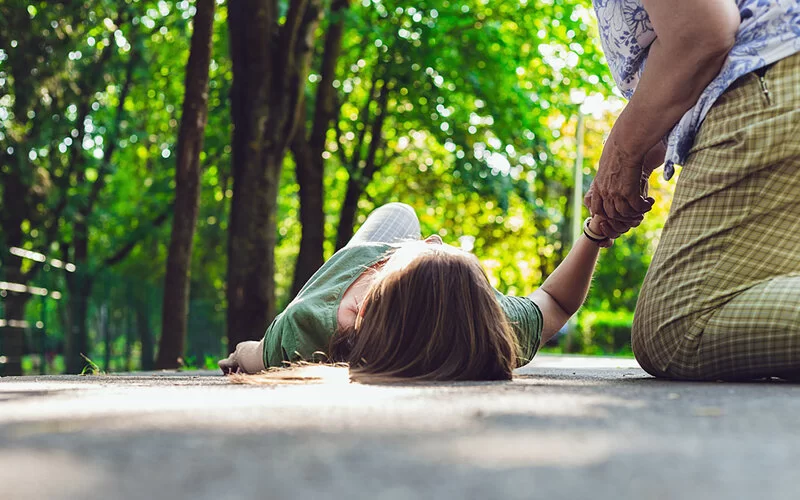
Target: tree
x,y
42,78
187,190
470,75
271,55
308,148
69,73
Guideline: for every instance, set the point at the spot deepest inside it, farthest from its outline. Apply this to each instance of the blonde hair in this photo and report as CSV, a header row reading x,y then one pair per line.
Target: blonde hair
x,y
430,314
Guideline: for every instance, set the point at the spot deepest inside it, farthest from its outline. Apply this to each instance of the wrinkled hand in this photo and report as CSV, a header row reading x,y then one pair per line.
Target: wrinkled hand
x,y
600,225
613,230
618,196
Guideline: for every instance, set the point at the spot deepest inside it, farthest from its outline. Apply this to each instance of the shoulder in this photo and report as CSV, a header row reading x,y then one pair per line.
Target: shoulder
x,y
625,33
525,317
516,308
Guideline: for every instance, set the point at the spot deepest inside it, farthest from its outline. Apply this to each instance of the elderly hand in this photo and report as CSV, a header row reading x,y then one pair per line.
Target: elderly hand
x,y
600,226
612,231
619,193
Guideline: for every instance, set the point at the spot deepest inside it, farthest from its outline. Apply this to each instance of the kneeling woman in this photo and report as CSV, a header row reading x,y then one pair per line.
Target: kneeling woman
x,y
393,306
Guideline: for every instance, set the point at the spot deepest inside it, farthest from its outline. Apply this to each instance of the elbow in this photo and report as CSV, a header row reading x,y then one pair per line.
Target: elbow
x,y
713,41
720,44
569,309
567,305
720,37
707,52
703,34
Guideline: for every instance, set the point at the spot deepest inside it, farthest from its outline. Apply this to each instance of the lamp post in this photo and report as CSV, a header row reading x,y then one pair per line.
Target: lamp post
x,y
577,187
577,208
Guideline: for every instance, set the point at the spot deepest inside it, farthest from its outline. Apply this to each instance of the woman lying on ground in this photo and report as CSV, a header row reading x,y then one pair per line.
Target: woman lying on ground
x,y
393,306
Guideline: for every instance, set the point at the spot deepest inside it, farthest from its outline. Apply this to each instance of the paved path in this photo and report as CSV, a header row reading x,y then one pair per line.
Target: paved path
x,y
567,427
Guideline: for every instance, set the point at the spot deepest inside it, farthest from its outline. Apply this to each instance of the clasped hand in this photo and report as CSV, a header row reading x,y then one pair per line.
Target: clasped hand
x,y
618,197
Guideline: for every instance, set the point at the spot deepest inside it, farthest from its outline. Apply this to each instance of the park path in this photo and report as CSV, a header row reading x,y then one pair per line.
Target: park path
x,y
566,427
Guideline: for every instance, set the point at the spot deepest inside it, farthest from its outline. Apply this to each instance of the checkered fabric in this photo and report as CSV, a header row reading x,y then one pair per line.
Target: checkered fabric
x,y
390,223
721,299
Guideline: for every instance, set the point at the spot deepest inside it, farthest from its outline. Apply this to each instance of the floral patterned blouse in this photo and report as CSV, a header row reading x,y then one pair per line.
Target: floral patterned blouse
x,y
769,32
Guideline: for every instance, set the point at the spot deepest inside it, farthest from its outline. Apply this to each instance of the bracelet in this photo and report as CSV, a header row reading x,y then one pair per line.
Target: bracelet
x,y
591,235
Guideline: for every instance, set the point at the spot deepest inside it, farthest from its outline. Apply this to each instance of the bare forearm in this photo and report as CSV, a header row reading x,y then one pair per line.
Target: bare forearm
x,y
563,292
569,284
694,38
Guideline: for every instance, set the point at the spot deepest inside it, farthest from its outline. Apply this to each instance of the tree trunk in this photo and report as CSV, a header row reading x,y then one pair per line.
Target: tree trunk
x,y
251,268
104,331
77,344
15,207
20,200
310,170
128,326
145,335
81,281
12,344
347,214
270,67
79,285
187,191
566,235
11,338
361,177
310,166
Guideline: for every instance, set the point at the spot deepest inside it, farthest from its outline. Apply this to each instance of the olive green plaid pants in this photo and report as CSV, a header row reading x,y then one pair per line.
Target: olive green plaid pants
x,y
721,299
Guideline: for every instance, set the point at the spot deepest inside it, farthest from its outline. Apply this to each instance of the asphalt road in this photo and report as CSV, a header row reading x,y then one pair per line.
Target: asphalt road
x,y
566,427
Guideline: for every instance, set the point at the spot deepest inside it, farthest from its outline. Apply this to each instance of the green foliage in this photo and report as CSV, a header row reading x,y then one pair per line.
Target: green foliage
x,y
90,367
480,135
207,362
607,331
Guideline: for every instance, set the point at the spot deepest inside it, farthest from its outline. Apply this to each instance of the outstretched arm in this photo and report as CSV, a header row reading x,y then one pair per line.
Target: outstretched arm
x,y
563,292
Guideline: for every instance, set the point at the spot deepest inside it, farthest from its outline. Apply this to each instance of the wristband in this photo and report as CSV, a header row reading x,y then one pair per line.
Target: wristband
x,y
591,235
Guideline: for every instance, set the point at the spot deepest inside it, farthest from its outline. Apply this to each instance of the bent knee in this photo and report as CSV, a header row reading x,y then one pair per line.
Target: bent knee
x,y
658,349
398,206
668,353
642,353
402,212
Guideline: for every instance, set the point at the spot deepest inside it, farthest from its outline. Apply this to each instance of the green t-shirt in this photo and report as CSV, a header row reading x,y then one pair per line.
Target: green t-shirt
x,y
307,324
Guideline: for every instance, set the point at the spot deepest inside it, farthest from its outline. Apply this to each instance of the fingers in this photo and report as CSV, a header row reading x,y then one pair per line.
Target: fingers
x,y
606,243
228,365
608,230
613,228
610,208
596,206
630,207
620,223
224,366
617,207
640,205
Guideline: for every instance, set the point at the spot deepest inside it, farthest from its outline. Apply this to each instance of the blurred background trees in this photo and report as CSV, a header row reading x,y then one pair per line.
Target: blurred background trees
x,y
318,112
